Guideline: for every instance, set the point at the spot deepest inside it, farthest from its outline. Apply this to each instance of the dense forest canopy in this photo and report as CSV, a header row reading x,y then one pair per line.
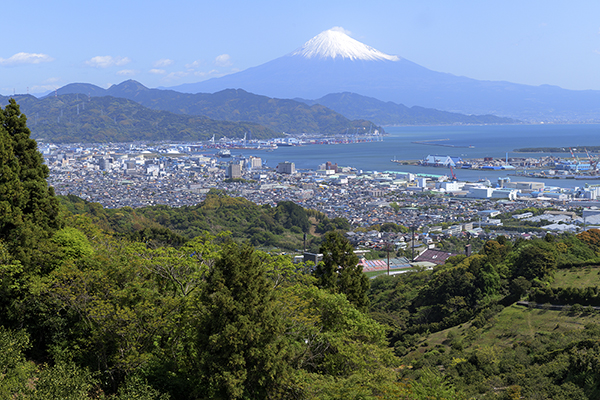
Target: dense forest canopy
x,y
190,303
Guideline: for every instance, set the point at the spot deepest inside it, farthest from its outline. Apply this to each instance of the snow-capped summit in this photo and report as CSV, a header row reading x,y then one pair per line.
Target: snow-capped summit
x,y
335,43
333,62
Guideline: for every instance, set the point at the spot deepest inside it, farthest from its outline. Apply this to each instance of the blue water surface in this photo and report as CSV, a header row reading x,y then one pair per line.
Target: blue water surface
x,y
486,140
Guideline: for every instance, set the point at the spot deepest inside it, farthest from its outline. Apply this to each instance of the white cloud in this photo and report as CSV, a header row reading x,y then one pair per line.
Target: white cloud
x,y
26,58
157,71
195,64
42,88
122,61
340,29
211,73
162,63
194,69
127,72
45,86
107,61
174,76
224,60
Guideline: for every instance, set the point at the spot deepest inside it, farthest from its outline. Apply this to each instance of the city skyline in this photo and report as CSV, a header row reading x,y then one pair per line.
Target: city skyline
x,y
51,45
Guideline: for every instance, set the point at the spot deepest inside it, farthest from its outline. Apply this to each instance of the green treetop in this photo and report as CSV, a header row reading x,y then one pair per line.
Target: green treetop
x,y
238,348
340,271
28,209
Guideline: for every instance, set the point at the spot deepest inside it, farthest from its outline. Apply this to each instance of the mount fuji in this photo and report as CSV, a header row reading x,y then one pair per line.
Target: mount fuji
x,y
333,62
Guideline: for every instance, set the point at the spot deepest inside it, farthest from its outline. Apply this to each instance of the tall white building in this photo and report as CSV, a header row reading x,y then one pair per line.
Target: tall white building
x,y
255,163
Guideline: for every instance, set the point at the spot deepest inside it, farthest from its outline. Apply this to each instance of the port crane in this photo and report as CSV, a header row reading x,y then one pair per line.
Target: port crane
x,y
593,161
576,159
454,178
573,155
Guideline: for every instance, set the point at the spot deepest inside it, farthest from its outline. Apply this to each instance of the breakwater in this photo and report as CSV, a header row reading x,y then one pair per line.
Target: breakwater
x,y
436,142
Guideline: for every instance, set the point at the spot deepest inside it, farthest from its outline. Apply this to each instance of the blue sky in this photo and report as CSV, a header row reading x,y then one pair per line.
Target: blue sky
x,y
48,44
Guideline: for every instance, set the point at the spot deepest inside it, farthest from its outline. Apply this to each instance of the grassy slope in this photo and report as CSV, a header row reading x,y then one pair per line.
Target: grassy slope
x,y
577,277
512,325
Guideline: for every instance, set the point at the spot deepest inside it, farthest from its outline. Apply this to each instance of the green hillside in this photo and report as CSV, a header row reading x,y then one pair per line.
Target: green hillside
x,y
236,105
281,227
519,352
578,278
75,118
461,320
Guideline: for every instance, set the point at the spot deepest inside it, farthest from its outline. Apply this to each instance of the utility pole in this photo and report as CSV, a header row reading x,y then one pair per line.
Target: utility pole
x,y
387,247
413,242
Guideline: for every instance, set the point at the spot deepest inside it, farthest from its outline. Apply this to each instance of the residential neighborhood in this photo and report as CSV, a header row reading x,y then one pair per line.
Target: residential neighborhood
x,y
140,175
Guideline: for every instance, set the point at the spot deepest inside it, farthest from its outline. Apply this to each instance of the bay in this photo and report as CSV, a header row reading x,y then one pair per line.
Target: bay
x,y
486,140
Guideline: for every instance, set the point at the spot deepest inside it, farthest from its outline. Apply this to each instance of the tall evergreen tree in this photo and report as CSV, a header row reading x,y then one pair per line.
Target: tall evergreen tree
x,y
29,215
28,208
239,349
340,271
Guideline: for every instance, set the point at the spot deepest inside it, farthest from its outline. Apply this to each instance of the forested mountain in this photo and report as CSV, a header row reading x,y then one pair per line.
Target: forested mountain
x,y
355,106
160,303
280,115
77,118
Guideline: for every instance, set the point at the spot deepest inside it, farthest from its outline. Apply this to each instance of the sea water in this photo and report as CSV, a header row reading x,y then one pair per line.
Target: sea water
x,y
469,142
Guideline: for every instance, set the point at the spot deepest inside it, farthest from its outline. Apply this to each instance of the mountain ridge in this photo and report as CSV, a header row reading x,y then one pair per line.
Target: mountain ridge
x,y
70,118
229,104
355,106
405,82
235,105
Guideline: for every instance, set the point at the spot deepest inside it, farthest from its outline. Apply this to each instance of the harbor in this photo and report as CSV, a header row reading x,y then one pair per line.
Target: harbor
x,y
544,167
487,159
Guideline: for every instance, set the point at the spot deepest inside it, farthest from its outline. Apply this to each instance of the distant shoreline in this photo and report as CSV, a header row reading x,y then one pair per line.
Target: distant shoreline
x,y
496,124
557,149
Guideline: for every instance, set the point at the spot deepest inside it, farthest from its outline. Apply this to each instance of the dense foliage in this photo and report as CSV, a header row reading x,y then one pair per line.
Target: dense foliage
x,y
112,304
280,227
340,271
484,347
211,319
88,312
28,208
75,118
